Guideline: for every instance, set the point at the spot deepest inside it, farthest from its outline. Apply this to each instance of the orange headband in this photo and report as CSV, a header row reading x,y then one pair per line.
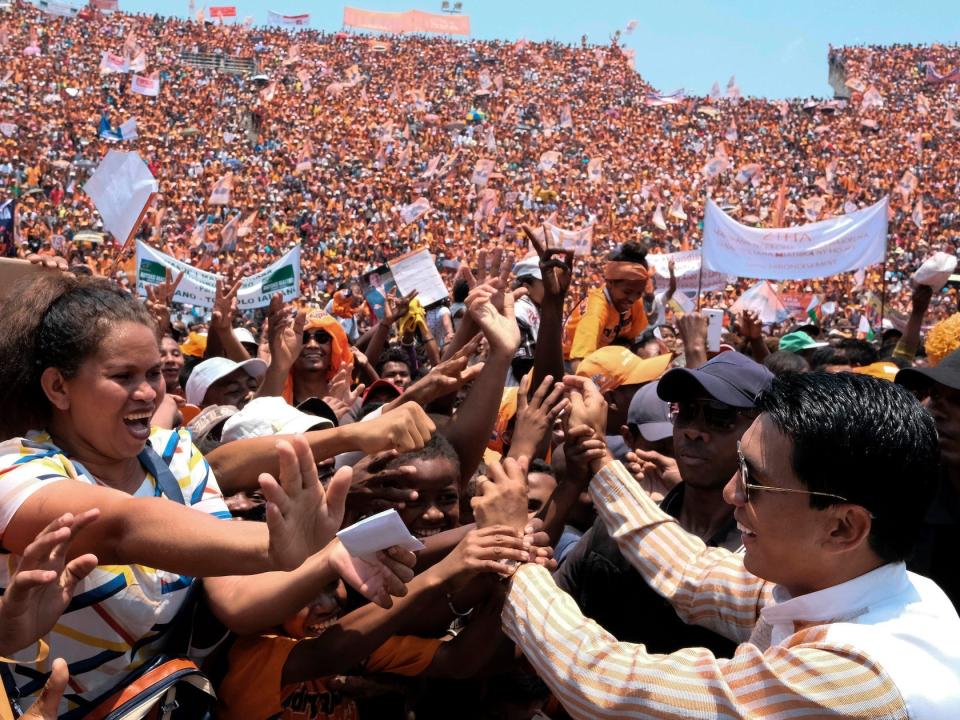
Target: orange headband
x,y
619,270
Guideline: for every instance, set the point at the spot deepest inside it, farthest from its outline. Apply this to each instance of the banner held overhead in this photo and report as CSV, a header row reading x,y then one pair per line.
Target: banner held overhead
x,y
816,250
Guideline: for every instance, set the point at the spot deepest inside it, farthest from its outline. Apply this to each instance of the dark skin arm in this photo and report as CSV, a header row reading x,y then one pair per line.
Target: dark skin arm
x,y
919,303
361,632
556,267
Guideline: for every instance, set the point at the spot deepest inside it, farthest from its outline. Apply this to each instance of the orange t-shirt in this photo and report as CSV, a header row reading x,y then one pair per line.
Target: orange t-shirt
x,y
252,688
595,323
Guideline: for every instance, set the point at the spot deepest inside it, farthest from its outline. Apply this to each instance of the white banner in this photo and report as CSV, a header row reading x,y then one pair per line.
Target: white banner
x,y
199,287
686,268
275,18
816,250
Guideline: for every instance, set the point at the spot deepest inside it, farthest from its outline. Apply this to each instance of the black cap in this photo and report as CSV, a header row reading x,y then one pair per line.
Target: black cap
x,y
729,377
946,372
316,406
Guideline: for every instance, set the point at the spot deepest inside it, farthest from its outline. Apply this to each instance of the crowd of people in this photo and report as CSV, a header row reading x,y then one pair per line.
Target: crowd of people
x,y
614,514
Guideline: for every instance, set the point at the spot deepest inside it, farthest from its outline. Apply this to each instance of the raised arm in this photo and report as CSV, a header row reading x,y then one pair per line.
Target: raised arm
x,y
556,273
919,302
473,423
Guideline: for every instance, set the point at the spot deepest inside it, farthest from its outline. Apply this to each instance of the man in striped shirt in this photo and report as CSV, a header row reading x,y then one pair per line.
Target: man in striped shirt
x,y
834,478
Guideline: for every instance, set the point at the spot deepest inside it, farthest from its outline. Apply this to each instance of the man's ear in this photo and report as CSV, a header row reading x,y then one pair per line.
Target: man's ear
x,y
54,386
849,528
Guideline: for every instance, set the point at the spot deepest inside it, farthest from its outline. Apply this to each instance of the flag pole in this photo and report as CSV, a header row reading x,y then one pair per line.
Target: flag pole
x,y
883,281
700,277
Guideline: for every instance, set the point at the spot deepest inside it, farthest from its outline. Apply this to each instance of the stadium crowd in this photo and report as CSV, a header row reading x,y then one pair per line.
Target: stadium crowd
x,y
601,511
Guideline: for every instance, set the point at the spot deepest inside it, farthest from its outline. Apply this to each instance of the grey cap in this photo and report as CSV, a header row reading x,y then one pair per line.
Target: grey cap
x,y
650,414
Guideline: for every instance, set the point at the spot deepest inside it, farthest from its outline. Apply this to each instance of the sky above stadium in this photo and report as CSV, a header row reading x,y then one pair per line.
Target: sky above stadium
x,y
776,49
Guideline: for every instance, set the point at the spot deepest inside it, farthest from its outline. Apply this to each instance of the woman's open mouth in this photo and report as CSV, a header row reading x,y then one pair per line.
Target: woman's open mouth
x,y
138,424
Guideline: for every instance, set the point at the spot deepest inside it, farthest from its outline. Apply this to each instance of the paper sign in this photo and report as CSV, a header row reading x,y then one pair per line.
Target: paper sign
x,y
121,188
417,271
378,532
376,285
686,268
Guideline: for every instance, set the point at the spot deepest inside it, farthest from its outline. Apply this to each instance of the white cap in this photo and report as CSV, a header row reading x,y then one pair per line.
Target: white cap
x,y
209,371
269,416
528,267
244,335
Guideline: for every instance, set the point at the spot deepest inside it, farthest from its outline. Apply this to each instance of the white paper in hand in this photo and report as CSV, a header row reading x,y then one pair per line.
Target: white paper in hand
x,y
378,532
935,271
121,188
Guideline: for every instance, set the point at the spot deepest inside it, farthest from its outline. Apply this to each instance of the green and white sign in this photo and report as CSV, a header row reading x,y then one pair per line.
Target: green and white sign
x,y
199,287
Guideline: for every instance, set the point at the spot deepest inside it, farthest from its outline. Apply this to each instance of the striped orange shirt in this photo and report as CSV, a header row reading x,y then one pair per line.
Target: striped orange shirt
x,y
785,667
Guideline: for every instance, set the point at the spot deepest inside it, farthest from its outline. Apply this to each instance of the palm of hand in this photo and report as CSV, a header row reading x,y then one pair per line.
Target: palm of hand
x,y
500,331
32,616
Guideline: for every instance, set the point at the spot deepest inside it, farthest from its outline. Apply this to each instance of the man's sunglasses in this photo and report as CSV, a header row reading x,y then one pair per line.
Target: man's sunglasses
x,y
746,486
714,415
319,336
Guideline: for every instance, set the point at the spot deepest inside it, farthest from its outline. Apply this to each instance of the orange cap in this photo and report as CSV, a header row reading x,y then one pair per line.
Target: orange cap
x,y
615,365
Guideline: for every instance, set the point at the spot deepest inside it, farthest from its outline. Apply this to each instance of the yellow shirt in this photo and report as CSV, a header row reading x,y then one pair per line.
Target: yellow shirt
x,y
595,323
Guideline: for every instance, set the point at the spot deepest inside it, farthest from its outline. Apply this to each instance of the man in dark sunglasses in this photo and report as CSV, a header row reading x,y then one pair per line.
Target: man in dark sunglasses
x,y
712,408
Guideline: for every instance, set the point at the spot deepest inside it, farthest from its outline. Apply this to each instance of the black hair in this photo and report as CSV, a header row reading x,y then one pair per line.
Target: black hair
x,y
55,320
460,291
821,357
865,439
393,354
541,466
630,252
439,448
859,352
782,362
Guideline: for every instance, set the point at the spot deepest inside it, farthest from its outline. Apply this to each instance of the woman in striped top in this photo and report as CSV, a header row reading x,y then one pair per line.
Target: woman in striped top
x,y
80,376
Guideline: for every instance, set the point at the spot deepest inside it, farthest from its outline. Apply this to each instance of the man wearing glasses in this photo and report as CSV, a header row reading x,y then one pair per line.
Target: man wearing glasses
x,y
712,407
839,472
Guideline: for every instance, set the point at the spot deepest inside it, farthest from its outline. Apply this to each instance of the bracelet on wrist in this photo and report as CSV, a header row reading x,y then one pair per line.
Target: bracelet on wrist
x,y
453,608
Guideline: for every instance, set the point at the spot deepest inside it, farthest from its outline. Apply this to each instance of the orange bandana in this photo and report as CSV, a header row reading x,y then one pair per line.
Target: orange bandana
x,y
619,270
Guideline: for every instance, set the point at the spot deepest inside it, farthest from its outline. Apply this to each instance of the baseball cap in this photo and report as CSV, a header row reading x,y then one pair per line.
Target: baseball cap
x,y
195,345
729,377
203,427
946,372
271,415
650,414
528,267
615,365
316,406
244,336
212,369
381,384
797,341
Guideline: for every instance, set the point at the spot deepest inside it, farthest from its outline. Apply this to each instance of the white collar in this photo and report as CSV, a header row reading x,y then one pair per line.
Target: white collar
x,y
844,601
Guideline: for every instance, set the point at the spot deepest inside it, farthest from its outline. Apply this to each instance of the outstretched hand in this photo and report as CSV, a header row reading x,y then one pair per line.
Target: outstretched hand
x,y
499,326
379,579
501,497
557,273
302,516
44,583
